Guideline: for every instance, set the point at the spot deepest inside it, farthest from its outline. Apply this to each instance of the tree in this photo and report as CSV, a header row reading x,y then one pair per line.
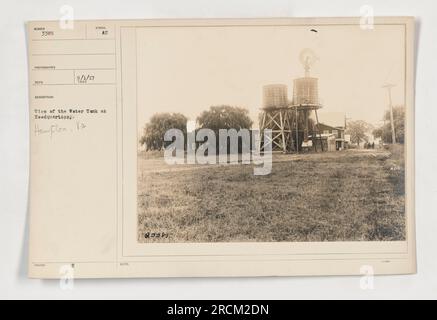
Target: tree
x,y
225,117
158,125
358,131
384,132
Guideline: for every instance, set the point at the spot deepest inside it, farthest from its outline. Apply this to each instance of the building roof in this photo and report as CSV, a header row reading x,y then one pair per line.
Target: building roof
x,y
324,126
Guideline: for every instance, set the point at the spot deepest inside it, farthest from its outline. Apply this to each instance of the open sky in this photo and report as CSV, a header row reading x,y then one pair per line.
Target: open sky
x,y
188,69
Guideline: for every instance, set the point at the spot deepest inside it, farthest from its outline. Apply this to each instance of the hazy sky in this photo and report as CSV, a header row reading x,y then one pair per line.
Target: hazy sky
x,y
189,69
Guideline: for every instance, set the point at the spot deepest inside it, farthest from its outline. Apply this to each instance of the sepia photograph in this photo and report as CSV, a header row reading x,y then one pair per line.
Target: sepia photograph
x,y
265,150
325,104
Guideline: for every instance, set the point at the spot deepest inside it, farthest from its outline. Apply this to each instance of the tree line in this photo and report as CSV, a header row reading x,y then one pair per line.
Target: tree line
x,y
359,129
215,118
385,132
229,117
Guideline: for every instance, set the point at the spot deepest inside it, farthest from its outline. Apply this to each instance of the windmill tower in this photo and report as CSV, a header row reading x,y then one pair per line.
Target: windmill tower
x,y
305,101
290,121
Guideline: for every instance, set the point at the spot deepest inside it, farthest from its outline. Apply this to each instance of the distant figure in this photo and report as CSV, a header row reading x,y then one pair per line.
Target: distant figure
x,y
373,145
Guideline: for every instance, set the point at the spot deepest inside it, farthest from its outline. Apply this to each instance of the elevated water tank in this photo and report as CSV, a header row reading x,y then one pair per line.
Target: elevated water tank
x,y
275,96
306,92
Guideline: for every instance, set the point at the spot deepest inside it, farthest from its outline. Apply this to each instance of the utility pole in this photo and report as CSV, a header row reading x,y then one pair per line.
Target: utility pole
x,y
346,119
393,133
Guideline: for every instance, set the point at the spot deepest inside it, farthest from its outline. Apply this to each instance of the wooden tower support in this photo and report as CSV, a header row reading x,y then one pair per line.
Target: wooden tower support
x,y
300,124
279,121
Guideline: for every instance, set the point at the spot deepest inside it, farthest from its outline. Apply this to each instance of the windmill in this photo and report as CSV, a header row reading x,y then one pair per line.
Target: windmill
x,y
306,99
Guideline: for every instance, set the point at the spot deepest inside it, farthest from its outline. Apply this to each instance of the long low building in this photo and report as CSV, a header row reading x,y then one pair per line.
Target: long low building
x,y
327,140
338,132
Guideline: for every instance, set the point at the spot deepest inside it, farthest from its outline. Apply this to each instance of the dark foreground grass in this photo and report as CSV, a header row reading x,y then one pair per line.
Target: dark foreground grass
x,y
343,196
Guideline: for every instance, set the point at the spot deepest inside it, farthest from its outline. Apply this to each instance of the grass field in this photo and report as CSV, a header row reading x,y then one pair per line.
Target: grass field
x,y
353,195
